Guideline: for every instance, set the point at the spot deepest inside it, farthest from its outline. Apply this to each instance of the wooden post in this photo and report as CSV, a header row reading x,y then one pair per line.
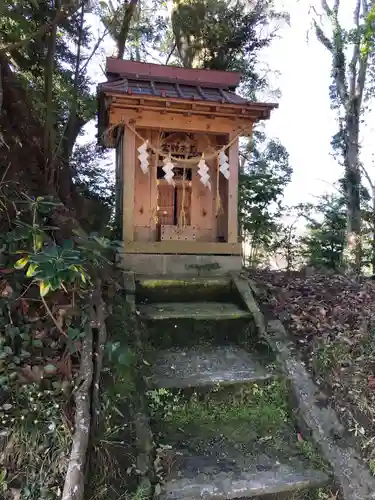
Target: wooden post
x,y
155,138
233,192
128,190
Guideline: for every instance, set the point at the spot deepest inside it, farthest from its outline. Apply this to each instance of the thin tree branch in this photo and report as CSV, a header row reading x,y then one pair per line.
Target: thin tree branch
x,y
356,52
170,53
50,314
327,8
96,46
367,175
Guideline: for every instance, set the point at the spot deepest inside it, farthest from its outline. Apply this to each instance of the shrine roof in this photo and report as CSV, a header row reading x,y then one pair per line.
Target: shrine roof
x,y
136,87
145,79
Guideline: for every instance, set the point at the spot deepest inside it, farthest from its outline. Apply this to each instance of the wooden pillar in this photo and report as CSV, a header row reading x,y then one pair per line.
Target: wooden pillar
x,y
233,192
155,139
128,190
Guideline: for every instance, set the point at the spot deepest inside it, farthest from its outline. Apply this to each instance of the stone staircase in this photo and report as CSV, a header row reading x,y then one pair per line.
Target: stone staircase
x,y
219,408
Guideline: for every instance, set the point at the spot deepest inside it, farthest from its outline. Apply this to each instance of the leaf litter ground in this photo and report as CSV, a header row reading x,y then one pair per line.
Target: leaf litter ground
x,y
331,318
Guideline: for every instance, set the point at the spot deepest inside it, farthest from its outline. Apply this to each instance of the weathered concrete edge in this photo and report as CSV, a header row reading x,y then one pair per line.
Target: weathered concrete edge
x,y
351,473
143,434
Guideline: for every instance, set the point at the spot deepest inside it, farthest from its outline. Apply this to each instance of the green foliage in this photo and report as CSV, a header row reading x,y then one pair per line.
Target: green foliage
x,y
265,173
93,173
224,36
19,20
368,45
35,443
324,244
265,407
134,30
51,266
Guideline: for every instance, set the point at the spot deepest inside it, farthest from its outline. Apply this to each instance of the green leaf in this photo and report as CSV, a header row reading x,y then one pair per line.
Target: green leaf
x,y
44,288
39,240
55,283
31,270
3,475
74,333
67,245
21,263
52,251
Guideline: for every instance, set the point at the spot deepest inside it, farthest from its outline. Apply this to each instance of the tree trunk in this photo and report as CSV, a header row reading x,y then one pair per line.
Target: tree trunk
x,y
74,479
125,26
373,231
349,82
72,131
353,188
49,135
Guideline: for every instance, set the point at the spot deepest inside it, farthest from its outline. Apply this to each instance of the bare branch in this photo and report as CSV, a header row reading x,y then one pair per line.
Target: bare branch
x,y
96,46
356,52
335,47
327,8
363,62
171,52
367,175
322,37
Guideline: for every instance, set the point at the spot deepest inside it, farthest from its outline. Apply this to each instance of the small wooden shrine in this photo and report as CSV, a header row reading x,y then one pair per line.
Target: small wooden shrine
x,y
176,132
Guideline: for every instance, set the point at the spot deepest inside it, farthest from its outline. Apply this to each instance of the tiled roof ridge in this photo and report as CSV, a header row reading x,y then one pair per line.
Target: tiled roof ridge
x,y
177,90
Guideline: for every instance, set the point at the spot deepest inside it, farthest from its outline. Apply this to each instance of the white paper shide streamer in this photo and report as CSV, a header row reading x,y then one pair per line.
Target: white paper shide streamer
x,y
203,172
143,157
168,169
224,165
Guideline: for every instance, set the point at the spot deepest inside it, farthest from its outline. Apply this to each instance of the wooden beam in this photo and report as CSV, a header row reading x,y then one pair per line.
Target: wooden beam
x,y
248,105
233,192
174,121
128,189
182,247
193,108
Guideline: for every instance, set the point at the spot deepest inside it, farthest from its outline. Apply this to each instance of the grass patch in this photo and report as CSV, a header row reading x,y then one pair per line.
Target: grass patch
x,y
264,406
112,462
35,444
329,355
251,418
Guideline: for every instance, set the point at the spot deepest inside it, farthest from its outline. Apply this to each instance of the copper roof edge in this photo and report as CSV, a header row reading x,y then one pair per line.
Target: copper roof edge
x,y
177,74
106,87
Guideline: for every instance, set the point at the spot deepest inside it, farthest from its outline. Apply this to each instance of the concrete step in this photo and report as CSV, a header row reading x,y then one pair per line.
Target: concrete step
x,y
184,289
192,310
228,477
182,368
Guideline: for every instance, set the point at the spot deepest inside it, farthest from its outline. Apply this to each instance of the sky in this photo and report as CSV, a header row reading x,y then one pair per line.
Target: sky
x,y
304,122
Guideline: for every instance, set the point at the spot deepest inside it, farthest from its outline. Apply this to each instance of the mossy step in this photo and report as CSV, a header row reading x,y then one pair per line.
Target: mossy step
x,y
182,368
226,477
238,441
192,310
184,289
